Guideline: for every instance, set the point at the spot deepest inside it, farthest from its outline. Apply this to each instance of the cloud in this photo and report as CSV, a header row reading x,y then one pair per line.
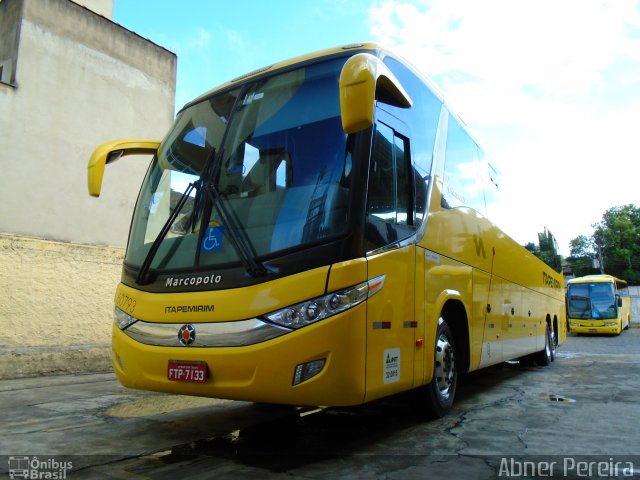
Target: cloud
x,y
553,89
561,48
200,40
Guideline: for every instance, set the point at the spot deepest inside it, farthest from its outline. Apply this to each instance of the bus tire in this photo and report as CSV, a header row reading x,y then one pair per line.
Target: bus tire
x,y
441,390
545,356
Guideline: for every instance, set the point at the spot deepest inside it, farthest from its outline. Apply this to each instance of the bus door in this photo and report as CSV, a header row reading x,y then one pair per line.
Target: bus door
x,y
391,322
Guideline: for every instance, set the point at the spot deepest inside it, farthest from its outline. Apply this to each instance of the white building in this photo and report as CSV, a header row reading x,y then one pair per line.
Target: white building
x,y
70,79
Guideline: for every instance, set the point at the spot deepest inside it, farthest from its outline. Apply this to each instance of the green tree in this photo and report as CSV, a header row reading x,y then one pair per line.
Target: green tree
x,y
546,250
583,254
615,240
549,250
582,246
533,248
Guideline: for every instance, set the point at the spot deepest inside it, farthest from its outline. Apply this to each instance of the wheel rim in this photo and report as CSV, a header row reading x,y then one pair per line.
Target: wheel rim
x,y
445,366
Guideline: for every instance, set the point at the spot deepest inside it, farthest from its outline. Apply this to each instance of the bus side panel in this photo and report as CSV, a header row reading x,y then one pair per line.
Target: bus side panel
x,y
534,292
391,324
481,351
420,318
510,276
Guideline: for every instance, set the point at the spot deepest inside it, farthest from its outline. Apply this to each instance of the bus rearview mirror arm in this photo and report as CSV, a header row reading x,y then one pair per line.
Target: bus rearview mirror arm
x,y
365,78
111,151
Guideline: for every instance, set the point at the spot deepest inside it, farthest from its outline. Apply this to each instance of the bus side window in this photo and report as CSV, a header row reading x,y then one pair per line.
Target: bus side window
x,y
464,171
423,116
390,193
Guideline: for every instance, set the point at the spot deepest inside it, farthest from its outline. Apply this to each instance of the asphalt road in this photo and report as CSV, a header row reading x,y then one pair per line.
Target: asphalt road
x,y
578,418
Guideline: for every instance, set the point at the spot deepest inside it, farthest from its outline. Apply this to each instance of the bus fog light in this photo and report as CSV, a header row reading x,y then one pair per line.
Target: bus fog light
x,y
119,361
305,371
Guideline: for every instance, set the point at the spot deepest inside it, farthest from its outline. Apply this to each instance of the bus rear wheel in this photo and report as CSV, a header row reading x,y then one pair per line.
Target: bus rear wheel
x,y
545,356
442,388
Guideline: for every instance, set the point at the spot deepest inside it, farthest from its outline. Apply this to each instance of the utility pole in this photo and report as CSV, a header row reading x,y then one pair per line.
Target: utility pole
x,y
600,259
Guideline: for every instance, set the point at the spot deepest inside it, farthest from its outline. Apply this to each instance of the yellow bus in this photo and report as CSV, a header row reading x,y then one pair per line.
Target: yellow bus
x,y
318,232
598,304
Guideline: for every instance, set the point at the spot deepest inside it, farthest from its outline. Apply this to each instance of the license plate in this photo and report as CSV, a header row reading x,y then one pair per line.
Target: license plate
x,y
192,372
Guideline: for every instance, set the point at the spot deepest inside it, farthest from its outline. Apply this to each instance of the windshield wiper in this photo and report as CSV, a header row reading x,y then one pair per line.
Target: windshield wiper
x,y
239,239
144,268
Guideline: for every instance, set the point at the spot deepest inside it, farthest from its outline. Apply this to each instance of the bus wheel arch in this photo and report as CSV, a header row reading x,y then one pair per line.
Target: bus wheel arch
x,y
455,315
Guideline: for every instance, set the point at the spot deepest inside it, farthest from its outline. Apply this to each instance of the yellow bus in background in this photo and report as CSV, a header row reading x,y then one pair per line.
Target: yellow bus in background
x,y
319,232
598,304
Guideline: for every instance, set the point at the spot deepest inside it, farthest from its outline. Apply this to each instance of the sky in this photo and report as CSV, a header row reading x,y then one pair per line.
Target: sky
x,y
550,88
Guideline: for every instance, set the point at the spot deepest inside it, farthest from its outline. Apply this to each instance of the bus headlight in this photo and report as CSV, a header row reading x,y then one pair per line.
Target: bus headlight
x,y
611,324
316,309
123,319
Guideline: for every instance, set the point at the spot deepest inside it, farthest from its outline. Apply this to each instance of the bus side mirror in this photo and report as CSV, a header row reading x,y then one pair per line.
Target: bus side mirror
x,y
619,300
365,78
110,152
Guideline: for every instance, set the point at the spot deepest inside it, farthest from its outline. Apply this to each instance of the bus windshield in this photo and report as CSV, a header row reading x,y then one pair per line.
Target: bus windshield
x,y
591,301
273,153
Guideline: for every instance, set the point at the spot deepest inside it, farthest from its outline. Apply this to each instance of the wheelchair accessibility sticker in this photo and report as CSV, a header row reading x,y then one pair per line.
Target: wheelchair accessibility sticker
x,y
212,241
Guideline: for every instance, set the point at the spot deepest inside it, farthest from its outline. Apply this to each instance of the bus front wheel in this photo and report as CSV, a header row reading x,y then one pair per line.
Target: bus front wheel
x,y
442,388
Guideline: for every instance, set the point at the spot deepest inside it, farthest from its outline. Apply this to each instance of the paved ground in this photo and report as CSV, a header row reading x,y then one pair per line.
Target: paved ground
x,y
579,418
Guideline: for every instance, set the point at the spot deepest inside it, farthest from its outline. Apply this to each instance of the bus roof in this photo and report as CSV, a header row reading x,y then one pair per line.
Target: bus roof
x,y
372,47
595,278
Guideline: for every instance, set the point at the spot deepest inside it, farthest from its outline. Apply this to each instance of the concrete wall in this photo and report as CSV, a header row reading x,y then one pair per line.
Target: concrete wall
x,y
77,80
101,7
80,80
634,293
56,304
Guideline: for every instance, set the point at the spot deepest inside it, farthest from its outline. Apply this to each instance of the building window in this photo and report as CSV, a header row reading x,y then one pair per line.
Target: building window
x,y
5,72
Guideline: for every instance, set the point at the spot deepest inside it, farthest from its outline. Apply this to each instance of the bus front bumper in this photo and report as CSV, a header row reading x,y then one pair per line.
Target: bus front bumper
x,y
594,326
262,372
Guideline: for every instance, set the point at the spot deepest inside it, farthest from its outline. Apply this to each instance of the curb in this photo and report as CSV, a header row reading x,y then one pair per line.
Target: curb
x,y
36,361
